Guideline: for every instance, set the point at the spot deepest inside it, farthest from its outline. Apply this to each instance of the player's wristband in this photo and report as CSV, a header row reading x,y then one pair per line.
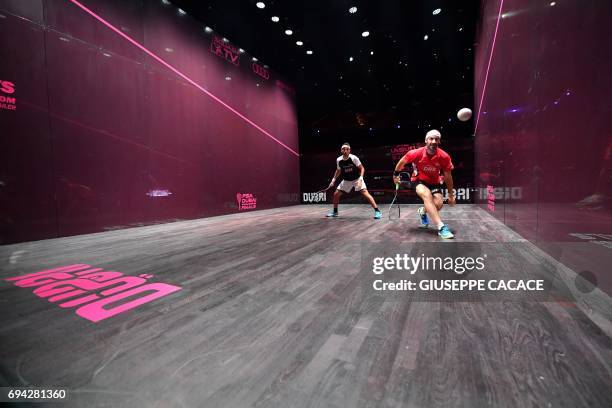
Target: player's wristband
x,y
396,173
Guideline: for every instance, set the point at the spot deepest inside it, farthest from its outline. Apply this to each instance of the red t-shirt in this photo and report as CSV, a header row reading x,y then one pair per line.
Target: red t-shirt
x,y
428,167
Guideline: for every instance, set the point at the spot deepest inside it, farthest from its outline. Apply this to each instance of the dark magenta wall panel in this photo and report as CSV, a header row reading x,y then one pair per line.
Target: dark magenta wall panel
x,y
26,174
543,140
106,136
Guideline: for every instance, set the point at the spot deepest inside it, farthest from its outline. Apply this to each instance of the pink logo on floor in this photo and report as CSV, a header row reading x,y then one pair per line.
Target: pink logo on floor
x,y
98,294
246,201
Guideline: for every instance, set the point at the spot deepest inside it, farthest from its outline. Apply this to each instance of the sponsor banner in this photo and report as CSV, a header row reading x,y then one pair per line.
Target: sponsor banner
x,y
314,198
225,50
398,151
8,101
260,70
246,201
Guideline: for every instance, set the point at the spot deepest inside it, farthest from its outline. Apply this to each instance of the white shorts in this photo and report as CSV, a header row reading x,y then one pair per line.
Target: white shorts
x,y
348,185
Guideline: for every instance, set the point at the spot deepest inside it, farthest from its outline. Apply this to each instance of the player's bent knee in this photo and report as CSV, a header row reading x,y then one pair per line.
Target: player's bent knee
x,y
425,195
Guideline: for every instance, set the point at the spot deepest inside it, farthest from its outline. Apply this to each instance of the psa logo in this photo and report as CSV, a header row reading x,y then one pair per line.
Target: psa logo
x,y
261,71
7,102
314,197
230,53
246,201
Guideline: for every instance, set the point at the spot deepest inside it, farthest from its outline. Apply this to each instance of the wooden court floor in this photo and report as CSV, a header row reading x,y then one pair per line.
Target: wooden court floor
x,y
271,312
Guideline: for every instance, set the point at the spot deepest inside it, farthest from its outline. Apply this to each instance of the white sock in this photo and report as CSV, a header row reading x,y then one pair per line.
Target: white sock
x,y
440,225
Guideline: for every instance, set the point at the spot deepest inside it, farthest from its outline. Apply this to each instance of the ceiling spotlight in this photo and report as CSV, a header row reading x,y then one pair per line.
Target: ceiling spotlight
x,y
254,59
182,12
371,52
260,4
288,32
299,43
552,3
165,2
365,34
228,78
436,11
353,10
208,29
225,40
240,50
425,37
351,59
309,52
275,19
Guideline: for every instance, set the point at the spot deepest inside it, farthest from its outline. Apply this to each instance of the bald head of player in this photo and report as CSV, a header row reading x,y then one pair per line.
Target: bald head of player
x,y
432,140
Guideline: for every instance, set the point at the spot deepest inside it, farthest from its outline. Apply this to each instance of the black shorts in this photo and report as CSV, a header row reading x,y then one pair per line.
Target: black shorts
x,y
434,188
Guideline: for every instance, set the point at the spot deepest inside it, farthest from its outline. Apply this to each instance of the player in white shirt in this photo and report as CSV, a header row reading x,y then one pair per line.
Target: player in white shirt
x,y
351,169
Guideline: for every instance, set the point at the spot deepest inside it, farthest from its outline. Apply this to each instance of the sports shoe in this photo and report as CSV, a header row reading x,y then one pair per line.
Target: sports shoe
x,y
377,215
423,217
445,233
332,214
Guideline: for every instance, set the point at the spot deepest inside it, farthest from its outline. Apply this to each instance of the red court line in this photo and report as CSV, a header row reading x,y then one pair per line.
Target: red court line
x,y
179,73
484,88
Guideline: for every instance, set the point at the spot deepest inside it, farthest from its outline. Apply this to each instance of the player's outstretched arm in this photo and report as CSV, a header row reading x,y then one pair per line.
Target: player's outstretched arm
x,y
398,167
333,180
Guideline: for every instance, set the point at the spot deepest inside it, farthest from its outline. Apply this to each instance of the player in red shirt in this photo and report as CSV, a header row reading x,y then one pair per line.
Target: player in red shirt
x,y
428,161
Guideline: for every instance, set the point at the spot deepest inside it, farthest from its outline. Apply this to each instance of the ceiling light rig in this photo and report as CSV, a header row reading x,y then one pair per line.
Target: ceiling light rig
x,y
260,5
299,43
276,19
436,11
288,32
365,34
309,52
353,10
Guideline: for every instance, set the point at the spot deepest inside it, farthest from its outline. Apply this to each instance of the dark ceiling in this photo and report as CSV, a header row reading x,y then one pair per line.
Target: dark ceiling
x,y
397,78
